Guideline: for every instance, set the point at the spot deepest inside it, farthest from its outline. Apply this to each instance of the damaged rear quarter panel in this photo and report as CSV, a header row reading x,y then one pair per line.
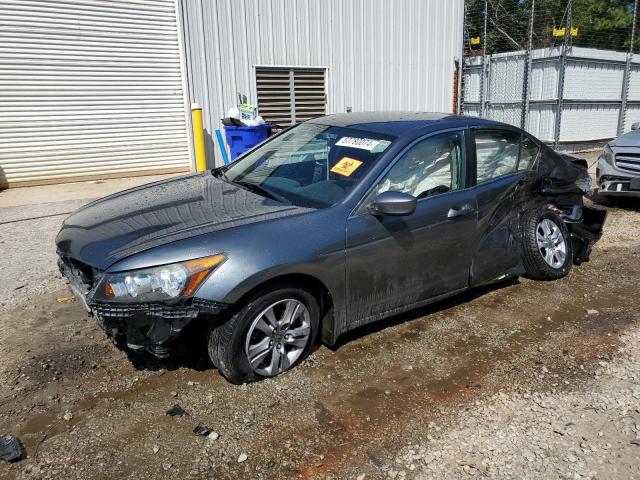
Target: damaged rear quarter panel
x,y
500,203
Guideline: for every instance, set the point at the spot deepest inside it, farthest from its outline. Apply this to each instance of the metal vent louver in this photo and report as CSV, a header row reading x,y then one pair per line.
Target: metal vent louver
x,y
290,95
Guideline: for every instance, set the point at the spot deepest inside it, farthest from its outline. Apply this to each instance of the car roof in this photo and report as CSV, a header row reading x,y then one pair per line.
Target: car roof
x,y
401,123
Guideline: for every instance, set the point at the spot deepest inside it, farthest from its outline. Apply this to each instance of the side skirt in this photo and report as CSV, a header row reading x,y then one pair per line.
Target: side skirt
x,y
331,341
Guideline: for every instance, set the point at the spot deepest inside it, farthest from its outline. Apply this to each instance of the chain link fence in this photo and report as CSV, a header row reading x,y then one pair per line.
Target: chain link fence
x,y
564,70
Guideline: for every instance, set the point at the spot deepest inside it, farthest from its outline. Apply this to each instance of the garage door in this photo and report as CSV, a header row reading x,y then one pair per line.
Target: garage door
x,y
90,89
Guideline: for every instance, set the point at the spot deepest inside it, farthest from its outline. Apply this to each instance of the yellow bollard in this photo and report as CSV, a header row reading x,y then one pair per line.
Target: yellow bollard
x,y
198,137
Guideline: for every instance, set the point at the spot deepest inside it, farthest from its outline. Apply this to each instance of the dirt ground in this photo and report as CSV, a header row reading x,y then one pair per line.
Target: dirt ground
x,y
514,381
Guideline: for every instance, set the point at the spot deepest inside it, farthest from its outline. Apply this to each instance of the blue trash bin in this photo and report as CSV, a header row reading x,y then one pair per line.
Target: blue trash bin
x,y
242,138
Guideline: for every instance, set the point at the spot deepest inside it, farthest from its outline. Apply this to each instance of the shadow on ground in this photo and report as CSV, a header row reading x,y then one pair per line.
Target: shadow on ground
x,y
190,350
628,204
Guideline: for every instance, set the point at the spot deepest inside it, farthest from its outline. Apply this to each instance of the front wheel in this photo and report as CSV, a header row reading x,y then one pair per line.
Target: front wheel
x,y
270,334
546,244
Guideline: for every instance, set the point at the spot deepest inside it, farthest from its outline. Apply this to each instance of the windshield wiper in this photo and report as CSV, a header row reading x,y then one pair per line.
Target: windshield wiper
x,y
259,189
252,187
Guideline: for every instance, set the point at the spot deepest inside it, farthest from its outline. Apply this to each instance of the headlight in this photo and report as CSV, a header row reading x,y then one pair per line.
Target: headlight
x,y
167,282
607,155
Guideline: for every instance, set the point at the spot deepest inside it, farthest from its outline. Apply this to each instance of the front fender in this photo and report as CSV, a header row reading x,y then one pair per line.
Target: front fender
x,y
231,282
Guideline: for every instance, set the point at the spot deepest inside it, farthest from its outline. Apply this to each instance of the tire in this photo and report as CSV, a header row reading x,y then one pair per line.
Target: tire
x,y
287,312
543,257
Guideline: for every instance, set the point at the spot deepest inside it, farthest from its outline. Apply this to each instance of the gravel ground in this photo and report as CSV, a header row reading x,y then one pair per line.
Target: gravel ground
x,y
593,432
520,380
30,218
29,265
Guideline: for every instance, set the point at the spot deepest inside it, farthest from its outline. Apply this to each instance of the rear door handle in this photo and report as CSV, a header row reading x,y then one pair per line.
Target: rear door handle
x,y
456,212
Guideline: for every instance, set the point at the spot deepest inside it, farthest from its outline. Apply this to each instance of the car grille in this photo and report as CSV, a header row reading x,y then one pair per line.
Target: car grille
x,y
628,161
196,307
123,311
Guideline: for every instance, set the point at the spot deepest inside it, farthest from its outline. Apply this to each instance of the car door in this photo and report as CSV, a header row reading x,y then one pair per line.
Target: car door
x,y
503,161
395,262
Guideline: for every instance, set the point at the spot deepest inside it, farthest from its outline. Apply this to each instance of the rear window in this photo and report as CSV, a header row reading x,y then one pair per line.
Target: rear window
x,y
528,153
496,153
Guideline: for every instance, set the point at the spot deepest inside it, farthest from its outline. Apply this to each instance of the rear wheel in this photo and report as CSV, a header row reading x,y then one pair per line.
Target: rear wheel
x,y
269,335
546,245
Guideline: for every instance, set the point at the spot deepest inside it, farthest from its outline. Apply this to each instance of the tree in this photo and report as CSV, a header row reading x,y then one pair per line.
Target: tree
x,y
604,24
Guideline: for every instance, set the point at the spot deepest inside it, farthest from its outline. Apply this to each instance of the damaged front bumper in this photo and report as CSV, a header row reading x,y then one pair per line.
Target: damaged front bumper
x,y
149,326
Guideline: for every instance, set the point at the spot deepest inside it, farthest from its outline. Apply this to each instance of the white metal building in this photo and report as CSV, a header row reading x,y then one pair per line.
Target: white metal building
x,y
99,88
297,58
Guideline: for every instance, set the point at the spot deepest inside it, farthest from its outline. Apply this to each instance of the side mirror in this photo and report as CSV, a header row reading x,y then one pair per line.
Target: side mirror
x,y
635,126
393,203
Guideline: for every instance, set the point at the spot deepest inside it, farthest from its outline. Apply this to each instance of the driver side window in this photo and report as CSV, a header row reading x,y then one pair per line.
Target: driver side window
x,y
431,167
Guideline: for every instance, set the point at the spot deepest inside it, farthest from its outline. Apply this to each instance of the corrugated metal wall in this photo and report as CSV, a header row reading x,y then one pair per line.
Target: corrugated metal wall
x,y
378,54
91,88
592,92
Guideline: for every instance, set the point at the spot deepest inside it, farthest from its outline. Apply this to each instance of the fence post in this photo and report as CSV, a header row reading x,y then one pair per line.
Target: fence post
x,y
455,101
483,76
627,75
526,79
461,84
563,67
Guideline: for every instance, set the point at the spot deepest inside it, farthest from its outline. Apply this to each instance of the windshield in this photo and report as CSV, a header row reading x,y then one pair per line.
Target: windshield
x,y
310,165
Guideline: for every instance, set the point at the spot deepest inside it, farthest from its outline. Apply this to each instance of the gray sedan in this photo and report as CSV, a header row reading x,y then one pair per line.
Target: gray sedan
x,y
332,224
618,171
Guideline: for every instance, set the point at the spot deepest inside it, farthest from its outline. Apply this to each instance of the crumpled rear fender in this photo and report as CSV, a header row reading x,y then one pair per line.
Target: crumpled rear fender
x,y
565,180
584,223
586,233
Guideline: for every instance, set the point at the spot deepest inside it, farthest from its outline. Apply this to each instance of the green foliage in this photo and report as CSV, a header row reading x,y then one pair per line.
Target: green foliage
x,y
604,24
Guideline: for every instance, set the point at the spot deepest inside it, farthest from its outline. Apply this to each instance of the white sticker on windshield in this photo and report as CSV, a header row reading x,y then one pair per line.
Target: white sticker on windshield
x,y
369,144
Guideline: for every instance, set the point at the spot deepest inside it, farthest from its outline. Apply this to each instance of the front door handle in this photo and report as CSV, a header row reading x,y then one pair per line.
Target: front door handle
x,y
456,212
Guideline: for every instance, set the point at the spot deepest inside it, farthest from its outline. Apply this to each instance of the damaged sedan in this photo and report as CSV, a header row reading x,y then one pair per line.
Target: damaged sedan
x,y
330,225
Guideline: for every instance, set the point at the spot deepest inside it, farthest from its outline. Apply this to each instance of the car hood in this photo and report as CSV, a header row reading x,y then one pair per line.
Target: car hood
x,y
631,139
112,228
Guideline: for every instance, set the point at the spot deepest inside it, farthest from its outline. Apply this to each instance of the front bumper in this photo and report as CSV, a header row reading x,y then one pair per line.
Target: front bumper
x,y
150,325
614,181
136,325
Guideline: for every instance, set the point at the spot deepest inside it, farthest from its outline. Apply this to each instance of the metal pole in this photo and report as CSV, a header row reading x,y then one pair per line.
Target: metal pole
x,y
198,137
455,101
483,93
526,81
563,67
627,74
461,84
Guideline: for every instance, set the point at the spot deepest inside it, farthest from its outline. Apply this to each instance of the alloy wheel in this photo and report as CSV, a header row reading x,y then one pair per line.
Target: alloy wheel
x,y
278,337
551,243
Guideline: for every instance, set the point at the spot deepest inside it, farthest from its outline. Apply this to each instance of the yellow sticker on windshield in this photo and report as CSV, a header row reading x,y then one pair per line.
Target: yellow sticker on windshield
x,y
346,166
